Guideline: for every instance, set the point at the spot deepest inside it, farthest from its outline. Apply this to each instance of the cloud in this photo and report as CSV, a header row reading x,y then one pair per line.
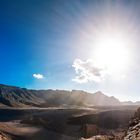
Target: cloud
x,y
38,76
86,71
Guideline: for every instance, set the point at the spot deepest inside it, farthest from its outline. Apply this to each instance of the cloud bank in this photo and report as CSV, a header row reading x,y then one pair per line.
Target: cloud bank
x,y
38,76
86,71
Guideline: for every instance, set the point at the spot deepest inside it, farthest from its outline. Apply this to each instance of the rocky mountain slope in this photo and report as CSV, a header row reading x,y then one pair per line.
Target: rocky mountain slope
x,y
22,97
133,132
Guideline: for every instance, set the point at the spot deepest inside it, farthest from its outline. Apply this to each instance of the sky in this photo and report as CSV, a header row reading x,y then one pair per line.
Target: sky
x,y
90,45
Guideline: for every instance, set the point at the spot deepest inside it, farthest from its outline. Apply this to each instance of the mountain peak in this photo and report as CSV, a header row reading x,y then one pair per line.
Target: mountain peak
x,y
99,93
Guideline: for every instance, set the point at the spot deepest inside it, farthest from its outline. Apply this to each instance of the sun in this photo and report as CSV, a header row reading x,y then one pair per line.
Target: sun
x,y
112,52
109,47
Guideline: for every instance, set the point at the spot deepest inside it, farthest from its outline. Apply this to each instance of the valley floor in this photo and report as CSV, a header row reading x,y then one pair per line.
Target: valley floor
x,y
64,124
27,132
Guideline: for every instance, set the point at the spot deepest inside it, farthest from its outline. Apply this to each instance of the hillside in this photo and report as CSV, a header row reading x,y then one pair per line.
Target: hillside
x,y
22,97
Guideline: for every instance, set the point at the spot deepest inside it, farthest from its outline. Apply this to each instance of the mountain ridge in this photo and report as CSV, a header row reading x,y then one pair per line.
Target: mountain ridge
x,y
21,97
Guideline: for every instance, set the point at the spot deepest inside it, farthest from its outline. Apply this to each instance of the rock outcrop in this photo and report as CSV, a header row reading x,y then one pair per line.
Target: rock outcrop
x,y
133,132
4,136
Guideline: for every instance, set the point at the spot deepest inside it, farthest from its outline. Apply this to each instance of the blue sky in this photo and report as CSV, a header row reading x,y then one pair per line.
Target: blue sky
x,y
47,44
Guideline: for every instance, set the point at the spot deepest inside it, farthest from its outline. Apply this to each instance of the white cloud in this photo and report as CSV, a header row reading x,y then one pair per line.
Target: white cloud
x,y
38,76
86,71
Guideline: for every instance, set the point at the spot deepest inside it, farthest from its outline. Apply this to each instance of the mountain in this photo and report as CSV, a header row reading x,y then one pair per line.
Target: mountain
x,y
100,99
131,103
22,97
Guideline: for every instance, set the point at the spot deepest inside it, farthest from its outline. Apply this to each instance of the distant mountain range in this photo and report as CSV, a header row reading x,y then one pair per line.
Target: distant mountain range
x,y
22,97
